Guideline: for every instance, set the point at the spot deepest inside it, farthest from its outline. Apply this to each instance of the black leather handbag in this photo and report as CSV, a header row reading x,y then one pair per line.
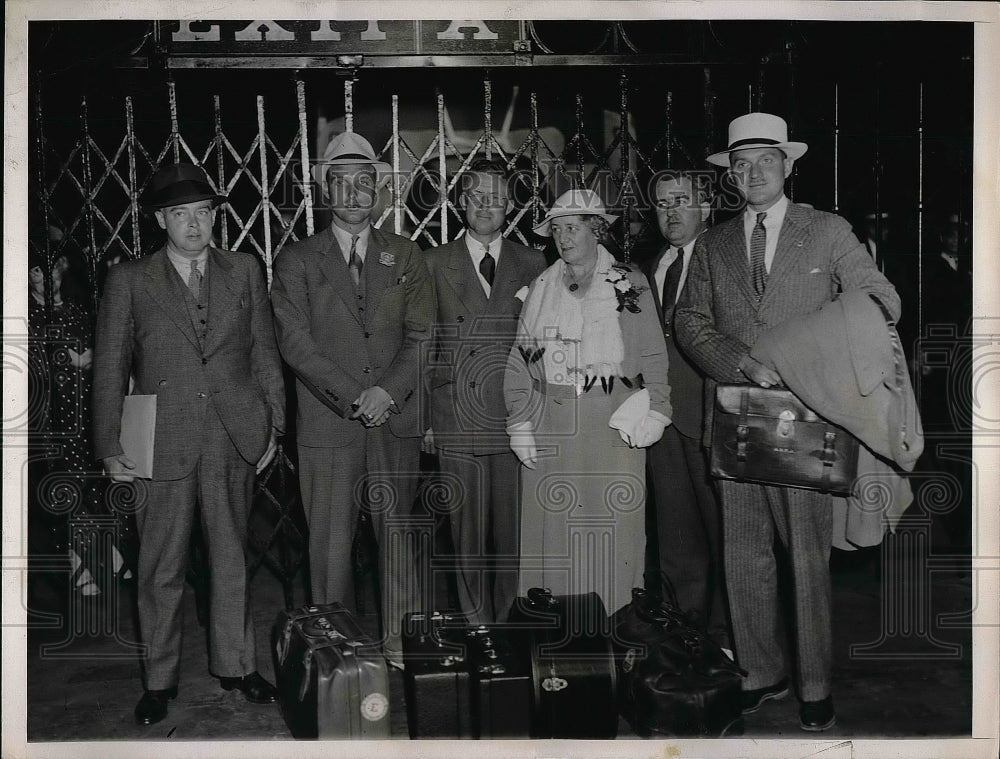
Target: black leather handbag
x,y
769,436
672,678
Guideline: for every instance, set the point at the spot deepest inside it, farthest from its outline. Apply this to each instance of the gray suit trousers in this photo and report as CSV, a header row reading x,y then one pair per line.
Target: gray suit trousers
x,y
383,470
486,499
223,483
751,514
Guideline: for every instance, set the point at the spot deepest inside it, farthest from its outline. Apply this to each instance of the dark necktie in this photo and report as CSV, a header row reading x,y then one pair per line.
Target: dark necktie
x,y
758,244
194,281
671,282
488,267
354,263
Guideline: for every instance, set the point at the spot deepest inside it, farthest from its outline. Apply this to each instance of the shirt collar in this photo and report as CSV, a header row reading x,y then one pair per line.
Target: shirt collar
x,y
775,214
183,264
475,247
343,238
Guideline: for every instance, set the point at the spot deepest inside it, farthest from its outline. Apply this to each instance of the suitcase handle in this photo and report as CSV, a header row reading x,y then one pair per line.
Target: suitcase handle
x,y
307,665
282,643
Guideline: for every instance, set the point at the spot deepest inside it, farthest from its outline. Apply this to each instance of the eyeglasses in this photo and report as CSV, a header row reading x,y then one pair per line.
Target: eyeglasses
x,y
486,199
669,204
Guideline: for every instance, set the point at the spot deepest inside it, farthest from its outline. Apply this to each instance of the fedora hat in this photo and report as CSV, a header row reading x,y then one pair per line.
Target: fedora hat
x,y
345,149
758,130
179,183
574,203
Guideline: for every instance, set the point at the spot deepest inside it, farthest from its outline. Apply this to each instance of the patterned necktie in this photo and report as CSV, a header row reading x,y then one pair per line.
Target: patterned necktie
x,y
758,244
194,281
488,267
671,282
355,264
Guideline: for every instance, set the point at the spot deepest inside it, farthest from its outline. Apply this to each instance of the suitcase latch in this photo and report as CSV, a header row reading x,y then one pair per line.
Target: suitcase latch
x,y
554,684
786,424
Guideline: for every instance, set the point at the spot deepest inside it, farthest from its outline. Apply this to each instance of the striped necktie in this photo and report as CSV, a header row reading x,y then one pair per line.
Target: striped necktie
x,y
758,244
194,282
354,263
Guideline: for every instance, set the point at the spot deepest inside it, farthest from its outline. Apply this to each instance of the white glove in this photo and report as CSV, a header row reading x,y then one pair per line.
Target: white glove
x,y
522,442
650,429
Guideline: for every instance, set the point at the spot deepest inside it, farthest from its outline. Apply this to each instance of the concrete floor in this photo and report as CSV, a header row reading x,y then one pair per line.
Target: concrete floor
x,y
902,673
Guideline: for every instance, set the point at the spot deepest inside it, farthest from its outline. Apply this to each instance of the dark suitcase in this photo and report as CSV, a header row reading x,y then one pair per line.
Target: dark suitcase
x,y
463,681
673,679
332,679
573,676
769,436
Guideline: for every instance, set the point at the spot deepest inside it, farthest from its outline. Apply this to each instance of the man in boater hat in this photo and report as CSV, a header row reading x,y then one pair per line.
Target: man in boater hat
x,y
775,262
352,304
192,324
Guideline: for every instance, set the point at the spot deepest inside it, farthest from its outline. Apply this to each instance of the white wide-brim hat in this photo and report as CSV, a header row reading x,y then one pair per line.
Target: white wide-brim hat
x,y
758,130
574,203
349,148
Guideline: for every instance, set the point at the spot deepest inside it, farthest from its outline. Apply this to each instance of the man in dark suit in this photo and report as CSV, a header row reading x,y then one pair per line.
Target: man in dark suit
x,y
479,280
192,323
352,305
688,529
774,262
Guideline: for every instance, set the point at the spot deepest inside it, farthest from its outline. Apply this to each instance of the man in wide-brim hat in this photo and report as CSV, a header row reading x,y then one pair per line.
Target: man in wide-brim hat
x,y
777,261
352,305
192,324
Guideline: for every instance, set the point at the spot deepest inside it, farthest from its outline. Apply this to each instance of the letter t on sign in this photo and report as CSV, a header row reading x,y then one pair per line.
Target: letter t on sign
x,y
263,31
483,32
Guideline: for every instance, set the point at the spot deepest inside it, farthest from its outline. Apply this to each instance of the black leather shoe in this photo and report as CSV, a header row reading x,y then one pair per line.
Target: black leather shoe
x,y
256,689
816,716
753,699
152,707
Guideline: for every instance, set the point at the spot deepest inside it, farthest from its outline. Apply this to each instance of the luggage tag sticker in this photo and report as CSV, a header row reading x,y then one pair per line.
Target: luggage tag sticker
x,y
387,259
374,707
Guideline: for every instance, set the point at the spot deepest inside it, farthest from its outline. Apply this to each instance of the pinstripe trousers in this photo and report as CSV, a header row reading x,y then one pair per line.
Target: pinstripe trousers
x,y
751,515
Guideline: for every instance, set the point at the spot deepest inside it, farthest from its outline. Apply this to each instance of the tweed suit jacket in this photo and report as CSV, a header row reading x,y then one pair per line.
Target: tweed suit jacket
x,y
718,318
338,347
472,338
144,328
687,382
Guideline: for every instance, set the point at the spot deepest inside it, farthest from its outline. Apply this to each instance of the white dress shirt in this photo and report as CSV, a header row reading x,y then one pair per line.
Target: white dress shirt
x,y
183,265
343,238
772,226
660,275
477,250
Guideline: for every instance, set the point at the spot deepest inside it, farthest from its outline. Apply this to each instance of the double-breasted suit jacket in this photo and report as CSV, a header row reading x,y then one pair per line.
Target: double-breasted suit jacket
x,y
340,339
472,340
718,320
215,371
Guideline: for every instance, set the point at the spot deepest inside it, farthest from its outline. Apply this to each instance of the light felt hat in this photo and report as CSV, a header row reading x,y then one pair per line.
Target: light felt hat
x,y
349,148
758,130
574,203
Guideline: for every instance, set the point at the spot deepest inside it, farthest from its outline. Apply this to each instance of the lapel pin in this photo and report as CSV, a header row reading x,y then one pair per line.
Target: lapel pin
x,y
387,259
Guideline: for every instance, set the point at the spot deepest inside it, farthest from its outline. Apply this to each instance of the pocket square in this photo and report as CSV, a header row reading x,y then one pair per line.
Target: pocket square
x,y
816,271
522,293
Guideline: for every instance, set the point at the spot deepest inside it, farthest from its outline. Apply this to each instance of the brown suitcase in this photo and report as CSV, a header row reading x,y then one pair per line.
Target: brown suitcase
x,y
768,436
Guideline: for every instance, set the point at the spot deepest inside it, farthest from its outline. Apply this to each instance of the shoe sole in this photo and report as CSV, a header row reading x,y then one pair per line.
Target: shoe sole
x,y
819,728
776,696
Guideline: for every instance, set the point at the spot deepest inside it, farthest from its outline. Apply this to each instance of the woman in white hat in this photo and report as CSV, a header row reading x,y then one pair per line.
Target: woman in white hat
x,y
586,392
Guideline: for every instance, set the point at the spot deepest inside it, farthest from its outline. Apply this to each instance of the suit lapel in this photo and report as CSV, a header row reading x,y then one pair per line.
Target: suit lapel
x,y
733,250
164,286
223,296
334,268
463,278
791,240
651,276
380,270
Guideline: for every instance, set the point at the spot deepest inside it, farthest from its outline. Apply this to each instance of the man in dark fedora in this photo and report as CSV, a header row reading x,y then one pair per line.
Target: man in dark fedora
x,y
192,324
352,305
775,262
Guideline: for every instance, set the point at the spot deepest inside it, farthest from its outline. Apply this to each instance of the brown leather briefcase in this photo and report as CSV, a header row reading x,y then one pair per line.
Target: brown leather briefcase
x,y
767,435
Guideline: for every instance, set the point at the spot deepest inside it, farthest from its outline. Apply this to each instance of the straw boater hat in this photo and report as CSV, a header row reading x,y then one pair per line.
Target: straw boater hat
x,y
177,184
758,130
349,148
574,203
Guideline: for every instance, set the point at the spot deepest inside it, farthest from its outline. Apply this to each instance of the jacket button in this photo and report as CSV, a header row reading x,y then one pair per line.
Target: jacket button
x,y
161,383
368,334
472,385
460,318
472,352
201,395
367,370
204,361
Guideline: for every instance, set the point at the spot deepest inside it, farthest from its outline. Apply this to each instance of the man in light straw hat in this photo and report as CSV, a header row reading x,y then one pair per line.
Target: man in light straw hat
x,y
352,304
192,324
775,262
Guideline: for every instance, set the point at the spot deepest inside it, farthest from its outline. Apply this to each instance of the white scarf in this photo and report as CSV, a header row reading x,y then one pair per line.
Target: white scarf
x,y
582,337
